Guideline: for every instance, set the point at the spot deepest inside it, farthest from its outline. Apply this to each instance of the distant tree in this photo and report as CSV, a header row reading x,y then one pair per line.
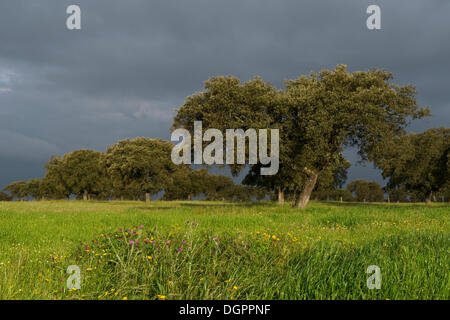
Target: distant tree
x,y
185,183
218,187
417,162
397,194
79,172
5,197
84,174
33,188
140,166
55,177
16,189
366,191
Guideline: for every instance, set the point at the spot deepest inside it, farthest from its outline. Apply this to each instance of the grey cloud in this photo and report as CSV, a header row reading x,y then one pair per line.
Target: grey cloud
x,y
135,61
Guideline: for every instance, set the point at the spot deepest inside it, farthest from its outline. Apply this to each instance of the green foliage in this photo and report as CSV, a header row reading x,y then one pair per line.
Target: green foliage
x,y
139,166
366,191
16,189
317,116
419,163
79,172
185,183
5,197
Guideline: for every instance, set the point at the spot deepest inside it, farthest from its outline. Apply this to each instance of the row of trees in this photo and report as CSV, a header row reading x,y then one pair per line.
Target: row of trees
x,y
317,115
131,169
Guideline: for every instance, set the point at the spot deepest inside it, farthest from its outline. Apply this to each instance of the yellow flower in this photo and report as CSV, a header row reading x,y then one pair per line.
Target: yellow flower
x,y
274,237
125,298
235,288
149,257
161,297
89,269
201,279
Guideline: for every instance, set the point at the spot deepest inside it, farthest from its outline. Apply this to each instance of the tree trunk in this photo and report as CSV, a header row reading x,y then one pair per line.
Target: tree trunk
x,y
341,198
189,197
85,195
428,199
147,197
280,196
311,179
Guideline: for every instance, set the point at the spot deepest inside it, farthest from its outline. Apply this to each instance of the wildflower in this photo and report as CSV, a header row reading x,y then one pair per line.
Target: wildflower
x,y
120,229
125,298
149,257
235,288
180,249
168,242
131,242
161,297
216,239
89,269
201,279
187,221
194,223
141,226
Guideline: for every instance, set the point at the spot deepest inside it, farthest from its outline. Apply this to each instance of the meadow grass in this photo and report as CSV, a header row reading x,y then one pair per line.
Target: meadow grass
x,y
217,250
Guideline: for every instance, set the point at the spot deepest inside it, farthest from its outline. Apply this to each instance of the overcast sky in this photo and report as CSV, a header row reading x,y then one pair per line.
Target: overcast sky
x,y
134,62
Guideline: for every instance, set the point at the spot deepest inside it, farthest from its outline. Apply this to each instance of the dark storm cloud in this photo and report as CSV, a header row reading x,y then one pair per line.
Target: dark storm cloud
x,y
134,62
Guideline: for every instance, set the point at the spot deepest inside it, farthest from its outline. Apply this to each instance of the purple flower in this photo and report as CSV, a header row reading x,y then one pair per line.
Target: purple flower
x,y
154,241
131,242
141,226
184,242
137,242
120,229
194,223
180,249
187,221
134,232
216,239
168,242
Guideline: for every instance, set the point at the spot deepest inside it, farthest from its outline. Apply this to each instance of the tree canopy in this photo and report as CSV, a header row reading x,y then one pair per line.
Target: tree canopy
x,y
418,163
139,165
317,115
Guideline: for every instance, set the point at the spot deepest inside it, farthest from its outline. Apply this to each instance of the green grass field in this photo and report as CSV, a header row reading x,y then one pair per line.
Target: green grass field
x,y
225,251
